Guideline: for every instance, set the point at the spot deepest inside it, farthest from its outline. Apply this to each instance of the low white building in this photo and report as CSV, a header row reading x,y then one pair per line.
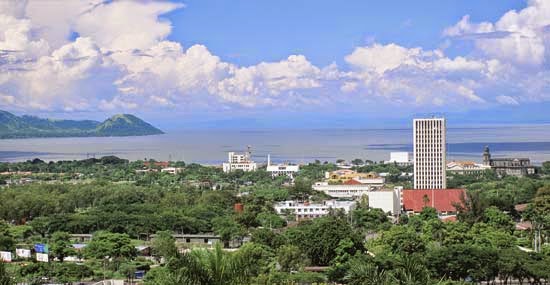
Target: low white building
x,y
306,210
171,170
281,169
389,200
386,199
466,167
400,158
343,190
240,161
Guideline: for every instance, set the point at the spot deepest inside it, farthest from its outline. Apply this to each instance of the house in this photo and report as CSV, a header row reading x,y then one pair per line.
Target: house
x,y
172,170
81,238
161,164
443,200
202,240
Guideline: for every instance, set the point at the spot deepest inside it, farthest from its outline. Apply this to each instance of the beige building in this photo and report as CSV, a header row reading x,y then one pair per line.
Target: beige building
x,y
343,175
429,145
466,167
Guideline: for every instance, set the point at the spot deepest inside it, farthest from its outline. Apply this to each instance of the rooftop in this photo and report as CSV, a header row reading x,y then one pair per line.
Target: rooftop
x,y
442,200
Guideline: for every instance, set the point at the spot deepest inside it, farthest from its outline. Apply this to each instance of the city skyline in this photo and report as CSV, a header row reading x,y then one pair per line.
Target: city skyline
x,y
185,64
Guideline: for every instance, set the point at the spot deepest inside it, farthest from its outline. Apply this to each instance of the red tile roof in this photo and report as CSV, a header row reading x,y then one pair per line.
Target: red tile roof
x,y
352,182
449,219
521,207
442,200
157,163
523,226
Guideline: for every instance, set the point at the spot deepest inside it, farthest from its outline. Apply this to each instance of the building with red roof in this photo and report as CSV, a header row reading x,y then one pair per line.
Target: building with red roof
x,y
443,200
156,164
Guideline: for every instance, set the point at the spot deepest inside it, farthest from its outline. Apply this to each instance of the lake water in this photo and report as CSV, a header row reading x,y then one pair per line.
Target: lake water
x,y
211,146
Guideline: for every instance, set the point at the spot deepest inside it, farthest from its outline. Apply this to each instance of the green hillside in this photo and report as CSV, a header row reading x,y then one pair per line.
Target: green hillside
x,y
12,126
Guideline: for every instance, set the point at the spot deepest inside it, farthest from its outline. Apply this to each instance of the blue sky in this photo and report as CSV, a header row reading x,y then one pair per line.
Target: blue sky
x,y
248,32
256,64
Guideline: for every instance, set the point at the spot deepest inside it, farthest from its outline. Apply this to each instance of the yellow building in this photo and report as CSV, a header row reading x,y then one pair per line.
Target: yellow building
x,y
343,175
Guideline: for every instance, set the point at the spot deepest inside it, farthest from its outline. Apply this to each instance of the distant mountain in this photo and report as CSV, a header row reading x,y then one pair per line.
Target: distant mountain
x,y
12,126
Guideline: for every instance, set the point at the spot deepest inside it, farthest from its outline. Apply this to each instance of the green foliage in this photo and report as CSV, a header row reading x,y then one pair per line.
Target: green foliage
x,y
7,243
164,245
110,245
270,220
319,238
204,267
108,195
5,277
12,126
290,258
227,229
60,245
370,219
428,213
461,261
498,219
34,273
403,239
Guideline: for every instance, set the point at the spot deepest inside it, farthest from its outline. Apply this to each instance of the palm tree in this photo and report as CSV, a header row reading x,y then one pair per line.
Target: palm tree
x,y
367,273
411,271
207,267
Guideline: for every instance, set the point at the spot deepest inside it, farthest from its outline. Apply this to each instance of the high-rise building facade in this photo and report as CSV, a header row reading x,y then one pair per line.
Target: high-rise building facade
x,y
429,153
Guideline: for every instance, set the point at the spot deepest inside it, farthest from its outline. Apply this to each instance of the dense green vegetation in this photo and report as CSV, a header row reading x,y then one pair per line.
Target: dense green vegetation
x,y
12,126
124,207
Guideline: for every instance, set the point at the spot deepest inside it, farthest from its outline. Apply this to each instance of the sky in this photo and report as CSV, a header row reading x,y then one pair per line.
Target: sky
x,y
288,64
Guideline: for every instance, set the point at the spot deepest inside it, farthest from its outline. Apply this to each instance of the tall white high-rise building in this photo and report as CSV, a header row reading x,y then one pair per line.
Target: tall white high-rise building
x,y
429,153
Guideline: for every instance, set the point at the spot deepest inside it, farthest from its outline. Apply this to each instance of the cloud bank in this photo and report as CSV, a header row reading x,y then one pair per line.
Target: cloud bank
x,y
103,56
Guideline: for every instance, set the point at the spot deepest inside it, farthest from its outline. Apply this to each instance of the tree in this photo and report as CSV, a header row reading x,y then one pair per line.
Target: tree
x,y
319,238
205,267
363,271
471,207
541,215
357,161
227,229
403,239
5,277
40,225
164,245
290,258
460,261
368,218
128,270
301,189
263,236
270,220
60,245
545,167
7,242
110,245
428,213
496,218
